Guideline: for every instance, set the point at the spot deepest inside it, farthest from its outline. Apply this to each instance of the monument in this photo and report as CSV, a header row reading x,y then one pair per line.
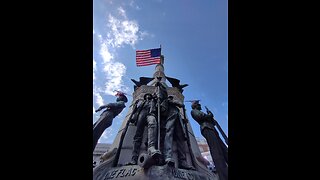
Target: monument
x,y
167,148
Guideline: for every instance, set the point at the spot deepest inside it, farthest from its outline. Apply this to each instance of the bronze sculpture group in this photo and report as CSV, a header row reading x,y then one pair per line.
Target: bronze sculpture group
x,y
149,111
161,115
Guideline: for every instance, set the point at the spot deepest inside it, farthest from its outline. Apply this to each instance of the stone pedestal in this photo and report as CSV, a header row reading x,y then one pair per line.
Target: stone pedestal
x,y
135,172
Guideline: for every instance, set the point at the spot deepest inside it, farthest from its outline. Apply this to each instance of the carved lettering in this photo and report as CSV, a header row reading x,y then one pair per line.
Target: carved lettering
x,y
107,175
182,174
190,176
113,173
134,172
121,173
128,173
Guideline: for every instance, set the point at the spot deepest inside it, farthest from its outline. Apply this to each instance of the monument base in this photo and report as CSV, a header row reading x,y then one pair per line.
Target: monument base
x,y
136,172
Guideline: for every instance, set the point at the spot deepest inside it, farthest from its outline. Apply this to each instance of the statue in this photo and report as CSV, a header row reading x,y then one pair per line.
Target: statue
x,y
176,83
222,145
143,116
212,136
142,81
107,116
174,130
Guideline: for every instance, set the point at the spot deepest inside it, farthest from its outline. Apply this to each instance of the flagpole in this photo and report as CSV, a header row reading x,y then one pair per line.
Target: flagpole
x,y
161,59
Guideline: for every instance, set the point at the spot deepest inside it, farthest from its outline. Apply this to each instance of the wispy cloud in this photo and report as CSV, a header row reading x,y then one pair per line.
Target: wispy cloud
x,y
114,72
122,12
99,99
94,69
104,51
108,71
133,4
122,31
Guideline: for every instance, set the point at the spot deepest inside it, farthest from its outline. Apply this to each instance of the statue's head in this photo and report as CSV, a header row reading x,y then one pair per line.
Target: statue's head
x,y
196,105
147,96
121,97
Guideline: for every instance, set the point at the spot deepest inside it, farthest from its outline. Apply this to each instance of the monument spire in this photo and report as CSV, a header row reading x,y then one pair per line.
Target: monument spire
x,y
159,72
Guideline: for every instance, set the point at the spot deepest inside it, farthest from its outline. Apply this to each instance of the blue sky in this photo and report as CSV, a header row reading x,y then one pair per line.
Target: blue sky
x,y
194,40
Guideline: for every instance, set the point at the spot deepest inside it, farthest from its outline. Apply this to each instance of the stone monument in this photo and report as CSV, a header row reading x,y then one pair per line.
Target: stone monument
x,y
185,157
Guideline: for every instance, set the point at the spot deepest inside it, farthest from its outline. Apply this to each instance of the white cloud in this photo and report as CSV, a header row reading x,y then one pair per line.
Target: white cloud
x,y
94,65
104,52
120,31
94,69
97,98
123,32
114,72
144,34
122,12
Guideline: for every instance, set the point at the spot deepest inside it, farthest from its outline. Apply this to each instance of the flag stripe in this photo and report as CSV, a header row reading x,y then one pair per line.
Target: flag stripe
x,y
147,63
150,61
145,59
148,57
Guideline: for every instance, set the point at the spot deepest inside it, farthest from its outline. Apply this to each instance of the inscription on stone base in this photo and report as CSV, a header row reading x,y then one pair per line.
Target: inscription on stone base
x,y
153,173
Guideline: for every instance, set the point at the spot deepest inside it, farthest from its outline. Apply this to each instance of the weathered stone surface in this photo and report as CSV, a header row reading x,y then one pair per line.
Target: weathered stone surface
x,y
135,172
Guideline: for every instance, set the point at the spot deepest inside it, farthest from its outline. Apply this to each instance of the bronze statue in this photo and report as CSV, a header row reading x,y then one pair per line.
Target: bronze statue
x,y
143,116
174,130
212,136
176,83
142,81
107,116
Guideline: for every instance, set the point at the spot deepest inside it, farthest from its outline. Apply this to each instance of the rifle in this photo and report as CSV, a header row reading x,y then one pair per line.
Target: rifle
x,y
102,107
218,126
159,111
116,159
120,92
188,138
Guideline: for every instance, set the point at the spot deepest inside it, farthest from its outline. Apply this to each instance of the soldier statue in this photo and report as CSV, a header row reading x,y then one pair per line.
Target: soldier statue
x,y
174,130
107,116
208,130
144,116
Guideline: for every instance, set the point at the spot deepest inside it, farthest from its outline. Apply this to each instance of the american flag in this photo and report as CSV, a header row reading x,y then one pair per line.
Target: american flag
x,y
148,57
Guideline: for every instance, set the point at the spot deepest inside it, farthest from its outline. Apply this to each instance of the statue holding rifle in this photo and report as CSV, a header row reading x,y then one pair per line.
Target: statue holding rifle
x,y
143,116
216,146
107,116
